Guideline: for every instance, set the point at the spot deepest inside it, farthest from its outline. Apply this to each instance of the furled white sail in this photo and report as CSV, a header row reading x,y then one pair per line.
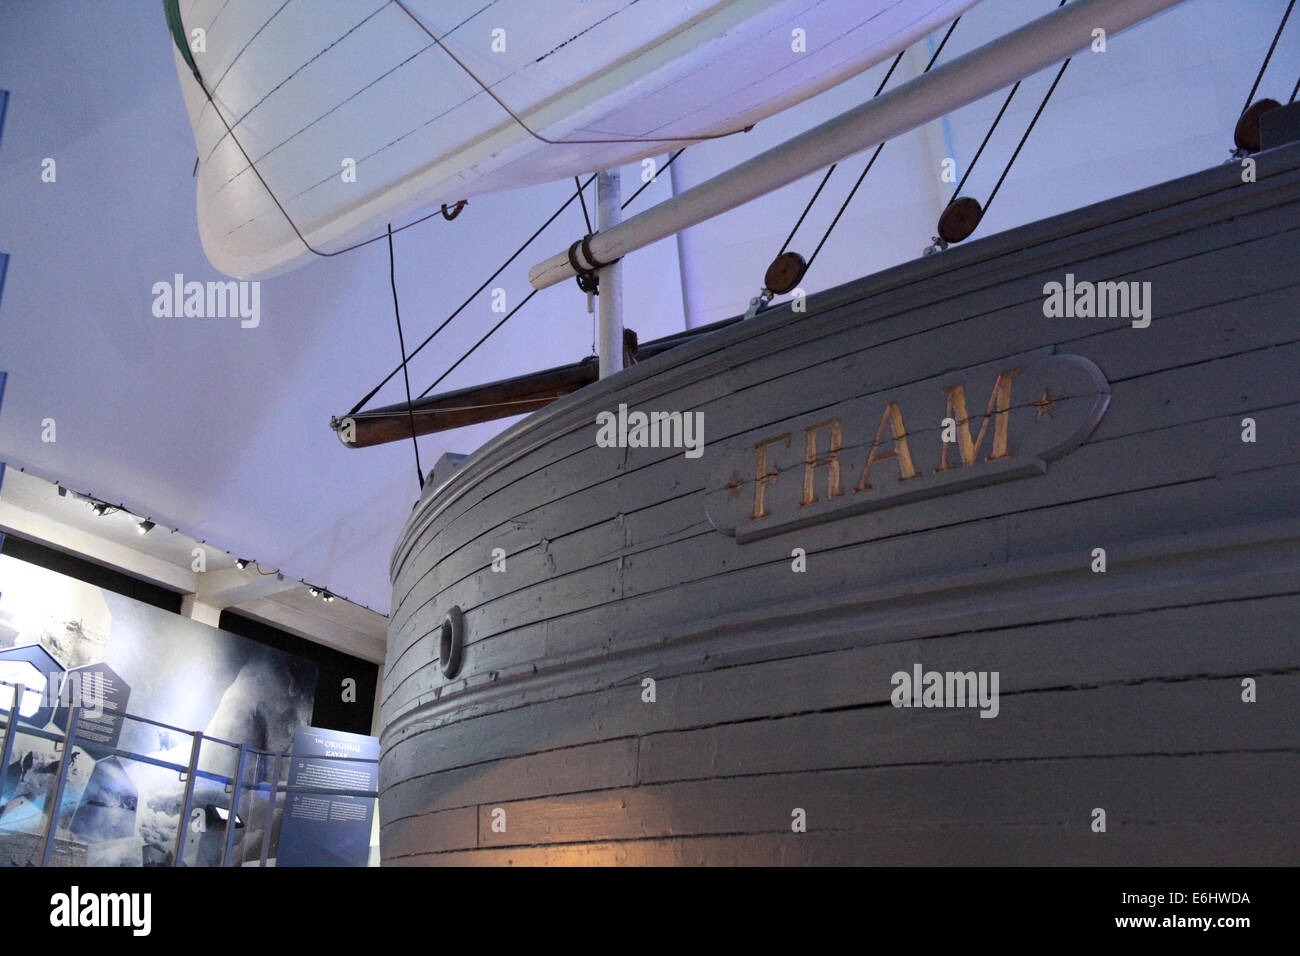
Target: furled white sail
x,y
317,90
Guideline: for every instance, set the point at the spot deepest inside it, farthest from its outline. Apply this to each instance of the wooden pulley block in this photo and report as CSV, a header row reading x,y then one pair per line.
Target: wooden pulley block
x,y
960,219
1246,135
785,272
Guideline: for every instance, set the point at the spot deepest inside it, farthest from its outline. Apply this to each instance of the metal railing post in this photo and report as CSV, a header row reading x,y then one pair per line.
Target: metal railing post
x,y
56,800
270,813
195,744
234,805
7,749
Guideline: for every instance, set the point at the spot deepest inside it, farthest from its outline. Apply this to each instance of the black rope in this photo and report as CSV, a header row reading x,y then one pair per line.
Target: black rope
x,y
645,185
401,342
371,394
1029,129
526,298
806,209
1268,56
843,206
486,336
871,162
987,136
583,200
1294,90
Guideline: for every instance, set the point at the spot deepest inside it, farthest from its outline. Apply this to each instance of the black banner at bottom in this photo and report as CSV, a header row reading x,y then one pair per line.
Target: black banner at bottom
x,y
365,906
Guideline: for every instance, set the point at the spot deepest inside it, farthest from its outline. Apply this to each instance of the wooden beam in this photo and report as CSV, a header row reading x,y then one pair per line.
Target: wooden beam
x,y
500,399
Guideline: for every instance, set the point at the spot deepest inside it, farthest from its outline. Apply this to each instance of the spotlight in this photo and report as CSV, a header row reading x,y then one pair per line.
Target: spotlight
x,y
314,591
327,597
99,508
144,527
241,563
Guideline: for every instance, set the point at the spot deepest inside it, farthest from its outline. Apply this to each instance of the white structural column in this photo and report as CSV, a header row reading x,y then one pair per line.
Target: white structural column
x,y
216,590
685,271
995,65
609,200
199,610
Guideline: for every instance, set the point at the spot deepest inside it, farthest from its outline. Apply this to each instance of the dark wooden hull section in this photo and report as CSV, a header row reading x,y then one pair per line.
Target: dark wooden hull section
x,y
1119,691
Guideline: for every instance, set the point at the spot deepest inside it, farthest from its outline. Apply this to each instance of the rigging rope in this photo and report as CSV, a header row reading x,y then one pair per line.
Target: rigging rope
x,y
988,135
956,194
806,209
401,342
583,199
1029,129
371,394
1268,56
526,298
871,162
578,194
533,133
486,336
642,188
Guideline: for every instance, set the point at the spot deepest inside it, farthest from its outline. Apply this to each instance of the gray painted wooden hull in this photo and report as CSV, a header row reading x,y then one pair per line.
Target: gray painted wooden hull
x,y
1120,691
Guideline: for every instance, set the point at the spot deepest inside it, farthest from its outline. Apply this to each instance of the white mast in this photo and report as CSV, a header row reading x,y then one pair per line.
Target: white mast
x,y
609,199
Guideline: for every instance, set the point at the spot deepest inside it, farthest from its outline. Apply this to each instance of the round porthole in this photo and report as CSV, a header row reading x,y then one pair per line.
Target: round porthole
x,y
451,642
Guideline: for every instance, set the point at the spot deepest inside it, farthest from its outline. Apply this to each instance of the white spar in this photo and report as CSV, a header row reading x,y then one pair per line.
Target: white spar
x,y
997,64
609,197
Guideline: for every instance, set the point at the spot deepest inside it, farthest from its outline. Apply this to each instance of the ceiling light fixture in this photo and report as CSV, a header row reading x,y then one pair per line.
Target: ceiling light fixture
x,y
100,508
314,591
145,526
241,563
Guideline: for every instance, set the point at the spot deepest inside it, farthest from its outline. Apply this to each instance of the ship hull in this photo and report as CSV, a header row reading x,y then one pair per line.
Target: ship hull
x,y
726,658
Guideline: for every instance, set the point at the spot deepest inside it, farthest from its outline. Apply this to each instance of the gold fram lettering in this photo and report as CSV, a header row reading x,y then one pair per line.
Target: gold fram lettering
x,y
998,408
763,477
831,462
902,452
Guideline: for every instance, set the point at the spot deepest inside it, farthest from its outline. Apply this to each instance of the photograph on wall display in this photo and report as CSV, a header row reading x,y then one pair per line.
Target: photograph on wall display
x,y
119,812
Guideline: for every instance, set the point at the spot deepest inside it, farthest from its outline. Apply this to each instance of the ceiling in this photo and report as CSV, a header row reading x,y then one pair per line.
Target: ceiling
x,y
222,431
33,508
